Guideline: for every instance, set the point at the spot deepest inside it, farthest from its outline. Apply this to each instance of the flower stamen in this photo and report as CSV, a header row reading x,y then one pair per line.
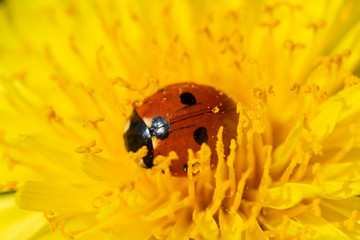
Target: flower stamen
x,y
50,216
69,234
292,46
89,148
240,190
316,26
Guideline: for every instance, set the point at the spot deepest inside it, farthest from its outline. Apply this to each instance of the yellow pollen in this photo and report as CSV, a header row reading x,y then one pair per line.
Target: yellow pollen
x,y
295,87
291,46
243,123
263,93
335,59
270,25
221,156
86,89
138,156
93,123
277,5
306,123
121,81
89,148
230,163
207,32
215,110
316,26
237,64
351,81
162,163
52,116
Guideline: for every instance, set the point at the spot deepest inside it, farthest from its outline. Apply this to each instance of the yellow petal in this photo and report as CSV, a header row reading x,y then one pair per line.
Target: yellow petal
x,y
205,225
284,151
181,226
291,194
280,225
320,229
167,209
341,172
231,225
327,119
57,197
343,206
17,223
256,233
343,214
350,41
102,169
351,98
340,190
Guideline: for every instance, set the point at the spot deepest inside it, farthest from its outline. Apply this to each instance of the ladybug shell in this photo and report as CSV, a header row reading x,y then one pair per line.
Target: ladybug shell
x,y
188,115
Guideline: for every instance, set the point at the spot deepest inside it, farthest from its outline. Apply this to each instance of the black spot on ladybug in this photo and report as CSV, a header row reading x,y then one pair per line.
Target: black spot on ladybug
x,y
185,167
160,128
200,135
187,99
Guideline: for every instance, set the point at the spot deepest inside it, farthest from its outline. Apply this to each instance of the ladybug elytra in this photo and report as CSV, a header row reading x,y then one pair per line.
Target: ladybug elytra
x,y
179,117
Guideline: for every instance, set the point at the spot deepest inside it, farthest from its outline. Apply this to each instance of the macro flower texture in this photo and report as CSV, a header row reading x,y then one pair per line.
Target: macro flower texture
x,y
71,73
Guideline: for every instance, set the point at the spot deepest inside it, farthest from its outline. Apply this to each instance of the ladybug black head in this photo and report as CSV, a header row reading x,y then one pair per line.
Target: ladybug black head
x,y
138,135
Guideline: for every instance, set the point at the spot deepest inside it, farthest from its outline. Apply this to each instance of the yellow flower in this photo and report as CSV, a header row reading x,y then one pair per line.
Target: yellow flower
x,y
71,71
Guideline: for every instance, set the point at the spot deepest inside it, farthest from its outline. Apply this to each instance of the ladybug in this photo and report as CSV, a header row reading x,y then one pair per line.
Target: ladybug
x,y
179,117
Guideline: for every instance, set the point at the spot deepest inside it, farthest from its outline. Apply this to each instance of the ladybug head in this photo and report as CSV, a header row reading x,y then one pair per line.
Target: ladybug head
x,y
138,135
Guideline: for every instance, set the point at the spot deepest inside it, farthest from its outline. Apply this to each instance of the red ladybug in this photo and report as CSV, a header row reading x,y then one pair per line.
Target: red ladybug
x,y
179,117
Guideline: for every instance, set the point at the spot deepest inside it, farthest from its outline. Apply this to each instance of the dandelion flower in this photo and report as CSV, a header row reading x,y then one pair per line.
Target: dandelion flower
x,y
71,72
